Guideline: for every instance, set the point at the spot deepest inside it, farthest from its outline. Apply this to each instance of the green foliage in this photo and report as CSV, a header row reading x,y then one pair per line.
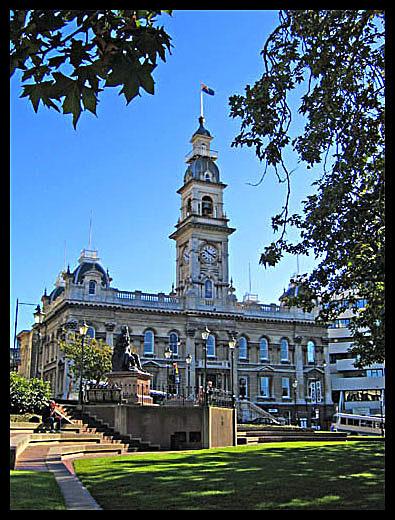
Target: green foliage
x,y
96,357
68,55
337,57
28,395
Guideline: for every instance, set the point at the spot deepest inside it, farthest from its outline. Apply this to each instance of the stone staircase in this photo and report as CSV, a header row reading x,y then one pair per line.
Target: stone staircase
x,y
249,435
249,412
71,441
91,422
85,435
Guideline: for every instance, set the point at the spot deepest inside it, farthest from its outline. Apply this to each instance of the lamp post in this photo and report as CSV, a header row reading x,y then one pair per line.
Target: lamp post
x,y
168,355
83,331
232,344
38,319
205,335
295,386
188,361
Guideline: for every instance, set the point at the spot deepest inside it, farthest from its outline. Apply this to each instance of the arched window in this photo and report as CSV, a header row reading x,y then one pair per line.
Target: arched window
x,y
207,206
207,177
173,343
211,346
208,289
242,348
92,287
310,352
263,350
284,350
148,342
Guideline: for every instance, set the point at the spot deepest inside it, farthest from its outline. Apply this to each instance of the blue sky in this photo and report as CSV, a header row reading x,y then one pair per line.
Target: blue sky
x,y
126,165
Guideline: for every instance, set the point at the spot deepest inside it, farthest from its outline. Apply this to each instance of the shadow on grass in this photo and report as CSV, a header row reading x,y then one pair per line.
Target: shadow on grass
x,y
290,476
35,490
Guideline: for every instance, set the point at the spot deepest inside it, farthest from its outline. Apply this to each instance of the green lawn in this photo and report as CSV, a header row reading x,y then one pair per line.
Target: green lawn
x,y
34,490
296,475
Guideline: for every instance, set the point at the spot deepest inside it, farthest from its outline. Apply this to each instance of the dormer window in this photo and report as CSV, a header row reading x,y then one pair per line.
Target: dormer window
x,y
92,287
207,206
207,177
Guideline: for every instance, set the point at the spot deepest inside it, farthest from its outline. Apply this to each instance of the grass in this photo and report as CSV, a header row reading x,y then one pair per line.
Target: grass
x,y
297,475
34,490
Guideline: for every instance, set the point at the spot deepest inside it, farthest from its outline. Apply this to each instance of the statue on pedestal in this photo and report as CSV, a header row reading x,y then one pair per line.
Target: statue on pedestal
x,y
123,360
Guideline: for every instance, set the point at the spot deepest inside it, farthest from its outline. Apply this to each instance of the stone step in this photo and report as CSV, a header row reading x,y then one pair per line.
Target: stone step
x,y
133,444
291,438
26,427
65,437
90,449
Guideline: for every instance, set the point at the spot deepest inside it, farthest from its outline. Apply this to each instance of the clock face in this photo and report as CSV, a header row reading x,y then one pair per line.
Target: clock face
x,y
185,255
209,254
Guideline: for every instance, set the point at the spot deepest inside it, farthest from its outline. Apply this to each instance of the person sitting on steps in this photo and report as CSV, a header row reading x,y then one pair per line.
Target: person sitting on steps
x,y
50,416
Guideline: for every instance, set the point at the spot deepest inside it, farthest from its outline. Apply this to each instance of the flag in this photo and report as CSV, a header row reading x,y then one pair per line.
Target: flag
x,y
207,90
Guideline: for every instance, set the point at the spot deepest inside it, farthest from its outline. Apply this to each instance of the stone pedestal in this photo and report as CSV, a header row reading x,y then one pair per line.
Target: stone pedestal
x,y
135,386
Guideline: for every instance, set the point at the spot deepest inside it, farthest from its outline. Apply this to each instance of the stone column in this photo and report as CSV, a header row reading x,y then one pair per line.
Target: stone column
x,y
327,374
190,349
300,391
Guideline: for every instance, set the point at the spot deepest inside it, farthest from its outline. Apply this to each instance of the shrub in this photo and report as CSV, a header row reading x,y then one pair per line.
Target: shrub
x,y
28,395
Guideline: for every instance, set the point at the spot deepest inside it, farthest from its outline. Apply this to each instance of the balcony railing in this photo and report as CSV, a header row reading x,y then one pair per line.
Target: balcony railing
x,y
198,152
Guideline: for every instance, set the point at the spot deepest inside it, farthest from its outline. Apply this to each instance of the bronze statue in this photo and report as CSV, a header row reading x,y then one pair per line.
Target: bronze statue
x,y
123,359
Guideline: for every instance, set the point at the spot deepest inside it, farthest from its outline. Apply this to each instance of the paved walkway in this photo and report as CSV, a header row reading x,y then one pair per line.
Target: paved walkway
x,y
47,458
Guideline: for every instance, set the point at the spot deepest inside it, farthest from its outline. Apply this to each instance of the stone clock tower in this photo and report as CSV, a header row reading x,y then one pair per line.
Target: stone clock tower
x,y
202,230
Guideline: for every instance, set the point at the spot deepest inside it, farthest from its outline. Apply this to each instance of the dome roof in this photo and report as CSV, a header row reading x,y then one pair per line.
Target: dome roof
x,y
55,293
201,130
198,168
84,267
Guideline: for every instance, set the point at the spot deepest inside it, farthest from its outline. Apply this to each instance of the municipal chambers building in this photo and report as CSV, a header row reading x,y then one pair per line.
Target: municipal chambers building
x,y
280,359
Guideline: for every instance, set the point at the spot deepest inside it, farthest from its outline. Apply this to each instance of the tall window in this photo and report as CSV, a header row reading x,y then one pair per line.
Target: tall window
x,y
315,391
242,348
284,350
208,289
90,332
148,342
92,287
310,352
173,343
265,387
285,386
263,350
211,346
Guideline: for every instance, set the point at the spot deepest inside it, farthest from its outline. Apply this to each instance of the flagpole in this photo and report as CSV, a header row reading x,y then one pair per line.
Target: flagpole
x,y
201,101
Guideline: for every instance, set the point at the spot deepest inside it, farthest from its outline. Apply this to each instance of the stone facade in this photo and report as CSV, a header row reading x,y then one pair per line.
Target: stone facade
x,y
270,364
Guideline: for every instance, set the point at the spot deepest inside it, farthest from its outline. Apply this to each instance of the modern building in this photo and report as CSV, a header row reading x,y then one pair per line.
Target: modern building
x,y
354,390
280,362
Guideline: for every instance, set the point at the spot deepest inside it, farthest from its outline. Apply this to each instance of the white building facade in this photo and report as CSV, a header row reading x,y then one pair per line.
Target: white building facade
x,y
280,362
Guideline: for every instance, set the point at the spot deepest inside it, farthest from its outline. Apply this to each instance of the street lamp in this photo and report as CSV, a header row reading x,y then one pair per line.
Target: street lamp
x,y
232,345
295,386
168,355
188,361
83,331
38,319
205,336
